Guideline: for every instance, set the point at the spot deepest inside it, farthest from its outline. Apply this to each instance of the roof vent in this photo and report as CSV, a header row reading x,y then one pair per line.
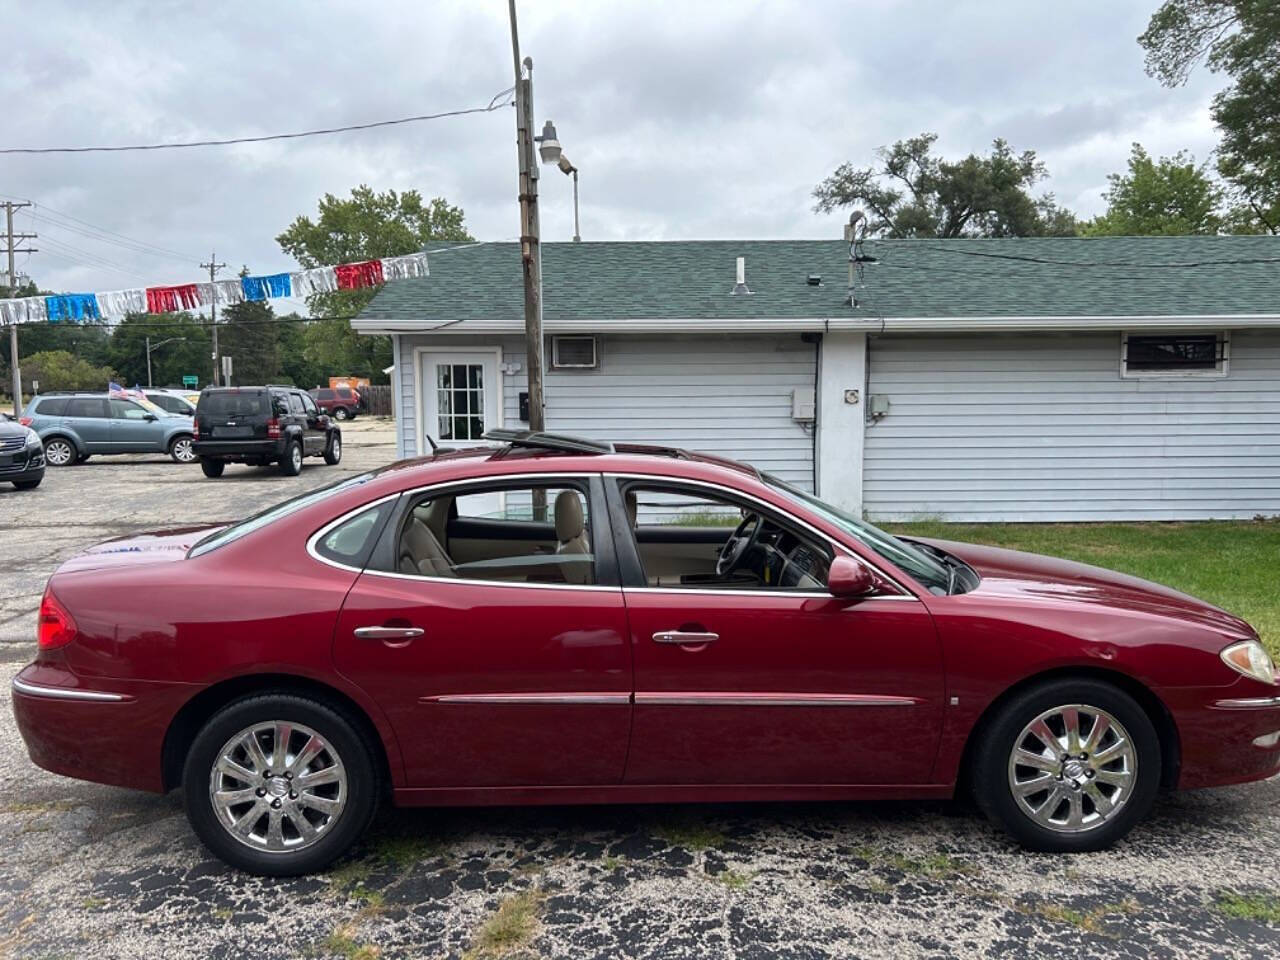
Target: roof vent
x,y
814,280
741,285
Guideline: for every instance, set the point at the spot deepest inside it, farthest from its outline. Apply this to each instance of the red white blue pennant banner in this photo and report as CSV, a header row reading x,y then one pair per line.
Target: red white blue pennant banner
x,y
82,307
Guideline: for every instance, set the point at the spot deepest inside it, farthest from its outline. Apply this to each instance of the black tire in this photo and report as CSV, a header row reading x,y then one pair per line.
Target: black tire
x,y
180,449
341,413
990,769
60,452
28,484
363,788
213,468
291,462
333,450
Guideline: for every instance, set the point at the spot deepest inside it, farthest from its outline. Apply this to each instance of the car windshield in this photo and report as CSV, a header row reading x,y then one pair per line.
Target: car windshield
x,y
245,527
931,574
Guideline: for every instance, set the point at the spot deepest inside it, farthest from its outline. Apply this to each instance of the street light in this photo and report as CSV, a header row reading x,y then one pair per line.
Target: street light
x,y
550,151
157,347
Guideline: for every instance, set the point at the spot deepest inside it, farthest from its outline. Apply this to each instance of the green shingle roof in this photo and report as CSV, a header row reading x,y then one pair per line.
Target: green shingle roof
x,y
1105,276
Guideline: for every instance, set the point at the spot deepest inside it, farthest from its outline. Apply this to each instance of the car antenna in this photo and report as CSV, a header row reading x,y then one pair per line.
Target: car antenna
x,y
434,447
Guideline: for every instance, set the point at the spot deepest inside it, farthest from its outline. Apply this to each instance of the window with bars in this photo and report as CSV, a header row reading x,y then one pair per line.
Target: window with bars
x,y
460,400
1163,354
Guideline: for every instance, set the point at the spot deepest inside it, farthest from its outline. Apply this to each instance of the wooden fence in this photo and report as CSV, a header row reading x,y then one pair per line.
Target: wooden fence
x,y
380,399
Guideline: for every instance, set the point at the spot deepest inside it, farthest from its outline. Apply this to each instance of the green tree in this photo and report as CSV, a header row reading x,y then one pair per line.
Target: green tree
x,y
1171,196
913,193
186,353
89,343
62,370
1240,38
248,333
366,226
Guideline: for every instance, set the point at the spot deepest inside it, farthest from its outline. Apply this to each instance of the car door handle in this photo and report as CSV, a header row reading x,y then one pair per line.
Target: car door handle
x,y
388,633
685,638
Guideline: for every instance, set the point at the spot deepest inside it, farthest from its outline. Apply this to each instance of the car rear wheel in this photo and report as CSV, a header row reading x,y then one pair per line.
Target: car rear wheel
x,y
279,784
333,451
340,413
212,468
291,462
181,450
1070,765
59,452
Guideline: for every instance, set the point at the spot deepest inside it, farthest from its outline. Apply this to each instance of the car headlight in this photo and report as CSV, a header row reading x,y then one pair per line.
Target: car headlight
x,y
1250,658
33,440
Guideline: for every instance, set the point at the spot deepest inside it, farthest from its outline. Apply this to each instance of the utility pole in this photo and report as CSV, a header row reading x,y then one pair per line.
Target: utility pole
x,y
213,266
530,247
9,207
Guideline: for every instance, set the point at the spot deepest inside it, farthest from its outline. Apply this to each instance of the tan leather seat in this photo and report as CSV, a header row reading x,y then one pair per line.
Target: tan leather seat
x,y
421,553
571,536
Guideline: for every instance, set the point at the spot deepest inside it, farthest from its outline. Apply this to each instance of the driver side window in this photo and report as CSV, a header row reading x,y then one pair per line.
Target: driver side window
x,y
687,537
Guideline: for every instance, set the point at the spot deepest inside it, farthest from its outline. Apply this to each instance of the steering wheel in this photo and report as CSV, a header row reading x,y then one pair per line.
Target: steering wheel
x,y
739,544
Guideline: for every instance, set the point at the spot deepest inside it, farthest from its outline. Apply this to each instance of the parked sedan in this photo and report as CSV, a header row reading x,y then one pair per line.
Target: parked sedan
x,y
21,455
560,621
76,426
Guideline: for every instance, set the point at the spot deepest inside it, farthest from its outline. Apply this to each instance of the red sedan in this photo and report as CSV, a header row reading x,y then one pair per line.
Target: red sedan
x,y
560,621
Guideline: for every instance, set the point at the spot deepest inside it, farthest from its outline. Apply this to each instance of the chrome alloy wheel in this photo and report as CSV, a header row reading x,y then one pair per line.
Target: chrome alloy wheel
x,y
1072,768
59,453
296,457
335,449
183,451
278,786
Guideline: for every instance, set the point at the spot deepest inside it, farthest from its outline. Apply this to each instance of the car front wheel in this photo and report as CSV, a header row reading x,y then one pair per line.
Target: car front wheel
x,y
59,452
279,784
340,413
1068,766
333,451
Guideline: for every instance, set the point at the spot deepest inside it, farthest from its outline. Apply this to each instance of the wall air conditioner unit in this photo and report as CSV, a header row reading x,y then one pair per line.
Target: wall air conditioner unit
x,y
574,353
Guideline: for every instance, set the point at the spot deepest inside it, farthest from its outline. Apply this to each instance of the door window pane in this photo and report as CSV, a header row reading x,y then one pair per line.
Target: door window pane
x,y
127,410
295,404
496,533
86,407
460,400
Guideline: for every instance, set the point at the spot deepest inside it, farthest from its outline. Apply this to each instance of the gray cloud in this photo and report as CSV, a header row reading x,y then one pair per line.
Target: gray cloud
x,y
706,119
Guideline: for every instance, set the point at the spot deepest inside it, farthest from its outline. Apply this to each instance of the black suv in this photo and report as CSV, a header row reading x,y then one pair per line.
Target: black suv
x,y
261,425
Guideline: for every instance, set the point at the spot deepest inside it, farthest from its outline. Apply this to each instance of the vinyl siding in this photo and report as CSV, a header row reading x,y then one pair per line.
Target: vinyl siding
x,y
729,396
1044,428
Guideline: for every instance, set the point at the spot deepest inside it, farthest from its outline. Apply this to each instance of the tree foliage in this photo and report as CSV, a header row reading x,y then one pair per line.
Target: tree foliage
x,y
913,193
1240,38
365,226
248,333
62,370
186,354
1170,196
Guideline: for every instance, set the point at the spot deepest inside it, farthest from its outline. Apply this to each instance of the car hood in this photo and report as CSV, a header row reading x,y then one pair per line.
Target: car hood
x,y
1031,576
156,547
9,428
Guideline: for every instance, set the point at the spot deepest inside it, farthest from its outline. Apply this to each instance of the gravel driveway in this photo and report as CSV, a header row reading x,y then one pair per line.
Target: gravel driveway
x,y
97,871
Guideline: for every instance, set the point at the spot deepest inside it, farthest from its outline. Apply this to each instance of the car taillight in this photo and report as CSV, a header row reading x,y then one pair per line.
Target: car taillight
x,y
273,427
25,421
56,628
195,429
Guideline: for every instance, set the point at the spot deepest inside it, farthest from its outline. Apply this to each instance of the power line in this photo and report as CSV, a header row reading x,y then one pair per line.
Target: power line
x,y
45,209
494,104
1182,265
194,321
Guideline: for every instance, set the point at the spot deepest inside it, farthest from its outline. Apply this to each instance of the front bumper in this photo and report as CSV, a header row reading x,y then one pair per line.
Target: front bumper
x,y
112,732
1228,734
22,465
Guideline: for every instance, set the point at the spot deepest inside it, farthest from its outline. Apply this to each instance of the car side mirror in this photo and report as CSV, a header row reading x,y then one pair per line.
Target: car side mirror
x,y
148,416
849,579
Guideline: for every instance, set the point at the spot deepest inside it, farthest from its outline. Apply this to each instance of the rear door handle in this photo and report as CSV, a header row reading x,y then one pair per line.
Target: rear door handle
x,y
685,638
388,633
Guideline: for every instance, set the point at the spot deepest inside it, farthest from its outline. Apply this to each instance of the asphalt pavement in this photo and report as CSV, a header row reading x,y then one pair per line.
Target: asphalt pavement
x,y
88,870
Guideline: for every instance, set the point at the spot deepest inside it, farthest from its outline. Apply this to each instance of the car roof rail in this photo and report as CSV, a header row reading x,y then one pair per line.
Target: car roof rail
x,y
560,442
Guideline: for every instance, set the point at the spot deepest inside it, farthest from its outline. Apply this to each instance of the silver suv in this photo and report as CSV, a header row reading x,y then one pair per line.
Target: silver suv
x,y
75,426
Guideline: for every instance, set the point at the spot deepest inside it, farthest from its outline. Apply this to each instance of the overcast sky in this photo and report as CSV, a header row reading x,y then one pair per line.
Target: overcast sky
x,y
688,119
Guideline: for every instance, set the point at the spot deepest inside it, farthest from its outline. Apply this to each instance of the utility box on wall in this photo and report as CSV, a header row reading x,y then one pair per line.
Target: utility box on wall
x,y
803,404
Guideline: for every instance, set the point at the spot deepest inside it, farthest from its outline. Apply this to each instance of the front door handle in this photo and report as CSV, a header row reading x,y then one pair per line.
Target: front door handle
x,y
388,633
685,638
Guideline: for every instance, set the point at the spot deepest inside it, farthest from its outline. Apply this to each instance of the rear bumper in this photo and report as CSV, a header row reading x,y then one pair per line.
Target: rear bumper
x,y
238,449
1228,734
112,732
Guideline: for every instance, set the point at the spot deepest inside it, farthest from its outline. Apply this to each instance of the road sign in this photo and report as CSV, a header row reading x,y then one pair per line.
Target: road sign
x,y
190,381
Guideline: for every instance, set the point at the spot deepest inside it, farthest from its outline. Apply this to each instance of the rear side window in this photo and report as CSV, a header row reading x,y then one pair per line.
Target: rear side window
x,y
324,394
52,407
232,404
86,407
351,542
295,404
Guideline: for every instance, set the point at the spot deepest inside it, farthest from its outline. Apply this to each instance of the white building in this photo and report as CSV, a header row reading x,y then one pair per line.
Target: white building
x,y
1016,379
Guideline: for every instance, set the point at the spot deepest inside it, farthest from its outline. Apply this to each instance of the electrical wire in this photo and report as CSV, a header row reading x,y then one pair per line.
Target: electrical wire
x,y
196,320
1183,265
325,131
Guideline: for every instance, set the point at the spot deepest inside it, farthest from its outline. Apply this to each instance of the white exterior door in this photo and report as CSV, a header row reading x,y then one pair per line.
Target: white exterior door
x,y
461,397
